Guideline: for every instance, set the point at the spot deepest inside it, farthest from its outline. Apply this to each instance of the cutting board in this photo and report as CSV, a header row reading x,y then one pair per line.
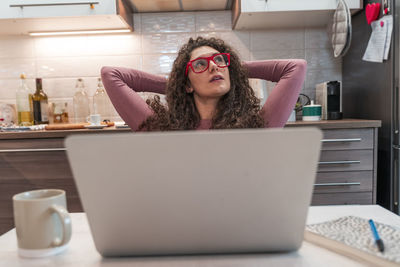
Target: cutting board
x,y
71,126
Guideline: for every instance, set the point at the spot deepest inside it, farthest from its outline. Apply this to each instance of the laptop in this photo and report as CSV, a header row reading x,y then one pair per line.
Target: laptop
x,y
196,192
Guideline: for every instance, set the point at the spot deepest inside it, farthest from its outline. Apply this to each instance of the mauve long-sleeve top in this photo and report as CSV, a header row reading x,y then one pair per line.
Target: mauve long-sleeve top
x,y
122,85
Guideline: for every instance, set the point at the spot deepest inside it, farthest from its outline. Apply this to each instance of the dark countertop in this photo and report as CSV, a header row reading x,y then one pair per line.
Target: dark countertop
x,y
338,124
331,124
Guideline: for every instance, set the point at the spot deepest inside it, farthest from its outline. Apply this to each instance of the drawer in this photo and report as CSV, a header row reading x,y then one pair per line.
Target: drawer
x,y
340,182
364,198
342,139
346,160
32,144
50,165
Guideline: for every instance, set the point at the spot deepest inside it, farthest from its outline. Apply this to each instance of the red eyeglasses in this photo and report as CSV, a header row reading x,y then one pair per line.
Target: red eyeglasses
x,y
201,64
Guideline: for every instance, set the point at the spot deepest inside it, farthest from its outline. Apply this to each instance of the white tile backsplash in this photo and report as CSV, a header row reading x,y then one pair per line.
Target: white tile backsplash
x,y
155,43
238,40
17,47
8,88
13,67
213,21
277,39
168,22
322,58
281,54
158,64
153,48
61,46
83,66
116,44
65,87
316,38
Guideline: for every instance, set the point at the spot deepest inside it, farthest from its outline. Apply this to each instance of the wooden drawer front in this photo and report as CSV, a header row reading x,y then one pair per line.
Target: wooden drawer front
x,y
333,182
34,165
342,198
346,160
348,139
16,145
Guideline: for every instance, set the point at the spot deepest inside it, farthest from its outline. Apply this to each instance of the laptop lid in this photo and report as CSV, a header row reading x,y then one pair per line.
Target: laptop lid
x,y
196,192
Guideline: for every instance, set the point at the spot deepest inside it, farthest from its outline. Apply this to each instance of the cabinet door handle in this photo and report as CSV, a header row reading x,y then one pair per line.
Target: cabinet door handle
x,y
55,4
339,162
32,150
337,184
341,140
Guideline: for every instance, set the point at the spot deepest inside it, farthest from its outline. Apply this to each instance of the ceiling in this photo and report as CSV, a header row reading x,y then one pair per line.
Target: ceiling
x,y
140,6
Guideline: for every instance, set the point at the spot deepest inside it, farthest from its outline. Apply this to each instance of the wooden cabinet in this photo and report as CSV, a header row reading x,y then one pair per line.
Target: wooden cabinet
x,y
347,165
28,164
36,160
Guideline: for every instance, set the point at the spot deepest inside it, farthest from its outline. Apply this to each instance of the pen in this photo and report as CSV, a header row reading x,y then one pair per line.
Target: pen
x,y
378,240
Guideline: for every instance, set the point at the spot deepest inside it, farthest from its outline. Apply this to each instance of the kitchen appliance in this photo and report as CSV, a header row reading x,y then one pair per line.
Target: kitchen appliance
x,y
329,96
371,91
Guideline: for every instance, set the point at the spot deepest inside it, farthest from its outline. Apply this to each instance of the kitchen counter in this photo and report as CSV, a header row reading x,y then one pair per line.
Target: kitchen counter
x,y
338,124
325,124
37,159
58,133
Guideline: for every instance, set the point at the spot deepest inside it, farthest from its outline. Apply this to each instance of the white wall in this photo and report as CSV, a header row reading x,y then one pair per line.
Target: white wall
x,y
152,47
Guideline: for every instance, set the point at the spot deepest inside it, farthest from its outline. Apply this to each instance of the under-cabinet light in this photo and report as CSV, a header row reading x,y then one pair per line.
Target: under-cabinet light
x,y
78,32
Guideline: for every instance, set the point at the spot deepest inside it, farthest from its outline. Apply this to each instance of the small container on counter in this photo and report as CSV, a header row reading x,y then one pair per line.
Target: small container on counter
x,y
312,112
60,112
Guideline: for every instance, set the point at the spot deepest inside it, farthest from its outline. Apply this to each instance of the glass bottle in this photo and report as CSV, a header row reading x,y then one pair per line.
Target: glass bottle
x,y
23,103
81,102
101,102
60,112
40,104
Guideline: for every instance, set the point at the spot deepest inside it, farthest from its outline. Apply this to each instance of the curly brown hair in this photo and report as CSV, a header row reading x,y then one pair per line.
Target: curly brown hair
x,y
239,108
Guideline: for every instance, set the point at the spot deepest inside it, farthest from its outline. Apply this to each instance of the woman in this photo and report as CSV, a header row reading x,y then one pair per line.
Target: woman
x,y
208,88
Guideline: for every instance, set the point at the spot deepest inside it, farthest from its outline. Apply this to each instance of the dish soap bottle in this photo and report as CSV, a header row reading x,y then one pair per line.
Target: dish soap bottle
x,y
40,104
101,102
23,103
81,102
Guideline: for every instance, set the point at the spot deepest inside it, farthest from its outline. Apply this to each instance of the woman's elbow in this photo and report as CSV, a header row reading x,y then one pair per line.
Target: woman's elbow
x,y
105,72
300,65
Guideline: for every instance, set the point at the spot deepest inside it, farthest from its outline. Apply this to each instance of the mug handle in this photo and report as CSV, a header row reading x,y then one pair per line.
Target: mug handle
x,y
66,223
88,119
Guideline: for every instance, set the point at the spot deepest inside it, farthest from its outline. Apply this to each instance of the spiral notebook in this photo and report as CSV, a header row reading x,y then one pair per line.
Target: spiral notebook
x,y
352,237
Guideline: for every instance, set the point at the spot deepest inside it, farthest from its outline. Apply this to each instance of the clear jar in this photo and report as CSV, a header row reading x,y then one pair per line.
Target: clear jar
x,y
81,102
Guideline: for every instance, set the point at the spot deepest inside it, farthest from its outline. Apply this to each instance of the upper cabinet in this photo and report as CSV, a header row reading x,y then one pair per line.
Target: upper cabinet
x,y
268,14
24,16
55,8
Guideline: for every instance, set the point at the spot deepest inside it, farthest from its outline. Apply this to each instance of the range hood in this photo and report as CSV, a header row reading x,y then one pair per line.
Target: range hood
x,y
24,17
142,6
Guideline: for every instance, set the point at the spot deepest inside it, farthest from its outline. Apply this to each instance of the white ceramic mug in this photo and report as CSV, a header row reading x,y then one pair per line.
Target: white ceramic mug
x,y
42,222
94,119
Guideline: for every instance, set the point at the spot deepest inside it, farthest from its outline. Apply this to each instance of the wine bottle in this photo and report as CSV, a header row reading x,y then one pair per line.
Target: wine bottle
x,y
40,104
101,102
81,102
23,105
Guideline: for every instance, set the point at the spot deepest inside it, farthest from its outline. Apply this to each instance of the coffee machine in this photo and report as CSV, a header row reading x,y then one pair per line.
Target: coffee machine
x,y
329,96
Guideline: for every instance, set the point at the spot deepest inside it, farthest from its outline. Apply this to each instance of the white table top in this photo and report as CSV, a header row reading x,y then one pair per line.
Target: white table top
x,y
81,250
